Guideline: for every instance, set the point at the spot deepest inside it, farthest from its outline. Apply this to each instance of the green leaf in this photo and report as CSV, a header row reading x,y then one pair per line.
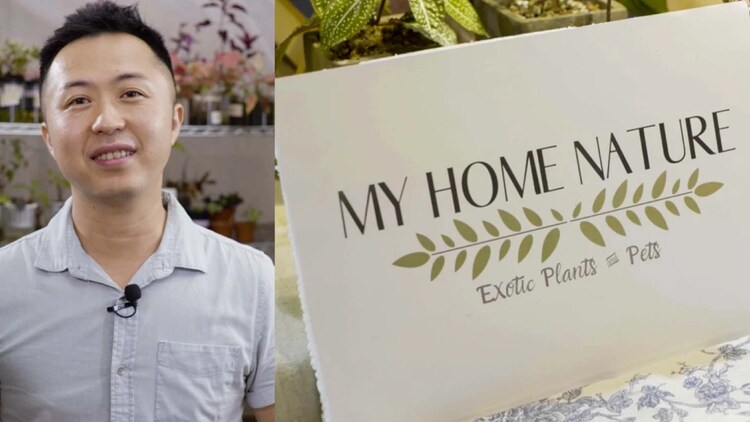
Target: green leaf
x,y
525,247
178,146
599,201
620,193
504,248
343,19
550,243
692,205
693,180
465,231
557,215
615,225
413,260
592,233
463,12
577,210
656,217
510,221
708,189
460,259
676,187
658,188
632,216
638,194
672,208
437,266
480,261
448,241
319,7
430,17
426,242
491,229
533,217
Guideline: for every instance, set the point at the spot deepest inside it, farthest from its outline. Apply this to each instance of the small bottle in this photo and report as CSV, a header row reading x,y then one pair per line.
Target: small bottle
x,y
237,115
215,118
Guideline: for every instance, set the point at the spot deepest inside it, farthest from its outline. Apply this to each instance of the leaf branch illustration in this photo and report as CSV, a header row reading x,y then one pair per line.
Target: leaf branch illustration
x,y
650,207
482,257
621,204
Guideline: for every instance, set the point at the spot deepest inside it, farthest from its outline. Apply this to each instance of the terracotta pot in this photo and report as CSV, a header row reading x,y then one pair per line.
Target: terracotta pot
x,y
245,231
223,215
222,227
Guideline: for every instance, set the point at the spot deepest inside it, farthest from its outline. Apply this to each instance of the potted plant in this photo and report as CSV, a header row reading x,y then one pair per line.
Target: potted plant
x,y
189,190
245,228
342,32
222,210
217,90
513,17
23,212
14,59
61,186
12,159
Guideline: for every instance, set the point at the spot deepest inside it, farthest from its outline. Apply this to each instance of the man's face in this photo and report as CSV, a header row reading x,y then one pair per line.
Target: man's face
x,y
110,119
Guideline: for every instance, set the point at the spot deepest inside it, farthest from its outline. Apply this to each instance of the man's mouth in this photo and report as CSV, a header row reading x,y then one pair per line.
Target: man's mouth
x,y
114,155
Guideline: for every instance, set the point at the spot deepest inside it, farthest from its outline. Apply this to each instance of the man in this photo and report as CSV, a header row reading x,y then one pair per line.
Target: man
x,y
200,340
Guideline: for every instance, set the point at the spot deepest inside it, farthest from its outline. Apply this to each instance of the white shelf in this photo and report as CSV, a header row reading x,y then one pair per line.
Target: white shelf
x,y
32,129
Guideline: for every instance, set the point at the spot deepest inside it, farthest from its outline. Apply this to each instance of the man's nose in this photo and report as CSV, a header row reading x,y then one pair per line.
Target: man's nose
x,y
109,120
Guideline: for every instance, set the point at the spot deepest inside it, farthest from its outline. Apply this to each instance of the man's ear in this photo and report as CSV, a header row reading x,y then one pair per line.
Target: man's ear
x,y
46,138
178,115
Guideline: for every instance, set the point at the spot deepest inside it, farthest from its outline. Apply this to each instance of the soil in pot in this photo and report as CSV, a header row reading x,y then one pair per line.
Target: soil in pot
x,y
530,9
378,40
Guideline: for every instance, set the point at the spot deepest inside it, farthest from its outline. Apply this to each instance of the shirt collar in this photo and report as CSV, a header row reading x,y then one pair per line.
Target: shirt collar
x,y
181,245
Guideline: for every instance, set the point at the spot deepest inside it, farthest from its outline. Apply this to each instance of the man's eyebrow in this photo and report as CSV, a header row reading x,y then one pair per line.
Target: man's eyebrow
x,y
130,75
73,84
119,78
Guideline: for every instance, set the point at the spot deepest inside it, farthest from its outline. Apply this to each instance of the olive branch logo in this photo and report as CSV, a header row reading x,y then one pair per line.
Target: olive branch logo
x,y
587,224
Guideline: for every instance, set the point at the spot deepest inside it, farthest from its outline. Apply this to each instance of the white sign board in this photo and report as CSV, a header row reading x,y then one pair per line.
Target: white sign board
x,y
480,226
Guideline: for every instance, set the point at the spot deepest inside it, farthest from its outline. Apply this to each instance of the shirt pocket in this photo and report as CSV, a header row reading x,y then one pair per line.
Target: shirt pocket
x,y
196,382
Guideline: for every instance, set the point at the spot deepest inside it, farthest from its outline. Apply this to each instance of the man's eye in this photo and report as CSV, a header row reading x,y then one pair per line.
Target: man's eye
x,y
132,94
78,101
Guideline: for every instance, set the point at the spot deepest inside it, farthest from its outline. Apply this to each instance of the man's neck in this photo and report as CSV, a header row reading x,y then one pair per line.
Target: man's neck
x,y
120,235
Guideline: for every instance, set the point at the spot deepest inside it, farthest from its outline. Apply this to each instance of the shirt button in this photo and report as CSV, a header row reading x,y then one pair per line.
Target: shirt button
x,y
121,371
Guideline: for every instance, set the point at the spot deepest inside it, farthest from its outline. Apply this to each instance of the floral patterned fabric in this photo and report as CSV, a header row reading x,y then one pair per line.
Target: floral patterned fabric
x,y
710,385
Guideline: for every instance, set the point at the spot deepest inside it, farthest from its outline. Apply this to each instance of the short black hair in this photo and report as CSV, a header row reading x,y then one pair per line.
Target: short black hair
x,y
100,18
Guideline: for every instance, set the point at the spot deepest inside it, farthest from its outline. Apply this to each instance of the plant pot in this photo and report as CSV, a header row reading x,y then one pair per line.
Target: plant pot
x,y
205,109
224,215
20,220
223,227
317,59
11,94
501,21
245,231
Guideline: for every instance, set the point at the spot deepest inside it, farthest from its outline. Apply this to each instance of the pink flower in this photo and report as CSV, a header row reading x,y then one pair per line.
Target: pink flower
x,y
230,60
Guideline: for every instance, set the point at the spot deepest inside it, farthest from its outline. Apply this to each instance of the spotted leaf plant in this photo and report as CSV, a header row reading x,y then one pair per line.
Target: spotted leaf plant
x,y
340,20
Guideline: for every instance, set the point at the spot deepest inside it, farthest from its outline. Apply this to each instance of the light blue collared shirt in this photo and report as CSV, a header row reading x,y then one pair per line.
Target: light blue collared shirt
x,y
202,339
